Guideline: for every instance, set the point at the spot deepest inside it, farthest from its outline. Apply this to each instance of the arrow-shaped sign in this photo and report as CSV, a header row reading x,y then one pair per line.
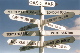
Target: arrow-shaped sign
x,y
61,32
60,46
24,48
59,41
23,12
42,3
28,27
59,18
21,33
23,42
22,18
55,26
60,12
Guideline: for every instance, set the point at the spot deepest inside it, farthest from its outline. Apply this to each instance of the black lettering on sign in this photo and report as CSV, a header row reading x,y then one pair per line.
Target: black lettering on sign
x,y
26,33
64,32
57,41
31,20
22,42
9,11
9,34
62,12
54,19
52,32
67,40
30,2
26,19
56,32
64,40
34,2
27,12
65,47
59,17
32,12
49,20
70,32
61,46
15,17
13,41
56,26
52,3
31,43
21,17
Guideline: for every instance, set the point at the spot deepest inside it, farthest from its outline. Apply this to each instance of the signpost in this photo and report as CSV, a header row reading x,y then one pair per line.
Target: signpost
x,y
61,32
29,44
21,33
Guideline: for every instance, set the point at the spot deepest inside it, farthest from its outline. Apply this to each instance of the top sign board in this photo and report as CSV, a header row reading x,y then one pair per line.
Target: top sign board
x,y
24,12
42,3
60,46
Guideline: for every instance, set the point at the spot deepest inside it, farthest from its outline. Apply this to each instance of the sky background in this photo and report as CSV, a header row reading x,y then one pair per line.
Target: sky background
x,y
8,25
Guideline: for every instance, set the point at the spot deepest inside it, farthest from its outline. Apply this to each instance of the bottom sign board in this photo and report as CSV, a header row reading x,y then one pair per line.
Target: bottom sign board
x,y
60,46
24,48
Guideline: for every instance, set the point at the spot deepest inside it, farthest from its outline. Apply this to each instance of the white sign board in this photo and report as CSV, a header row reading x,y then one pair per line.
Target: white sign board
x,y
59,41
22,42
60,46
59,18
22,18
55,26
28,27
42,3
21,33
61,32
24,12
60,12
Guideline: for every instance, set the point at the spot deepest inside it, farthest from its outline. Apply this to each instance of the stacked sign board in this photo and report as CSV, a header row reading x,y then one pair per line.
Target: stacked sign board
x,y
29,44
